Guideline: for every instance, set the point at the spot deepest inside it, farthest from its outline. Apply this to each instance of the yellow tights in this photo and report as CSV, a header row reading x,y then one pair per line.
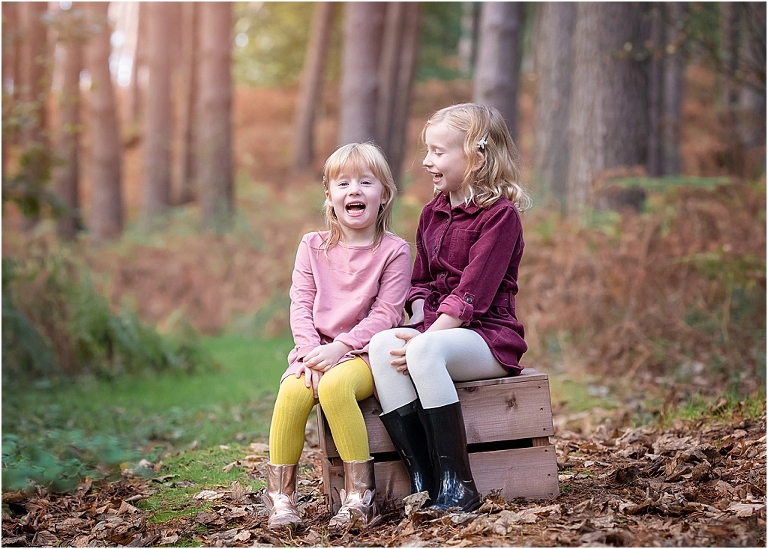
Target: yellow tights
x,y
339,390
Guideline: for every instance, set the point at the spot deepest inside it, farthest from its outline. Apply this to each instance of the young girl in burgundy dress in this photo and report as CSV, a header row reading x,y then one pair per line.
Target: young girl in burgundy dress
x,y
463,325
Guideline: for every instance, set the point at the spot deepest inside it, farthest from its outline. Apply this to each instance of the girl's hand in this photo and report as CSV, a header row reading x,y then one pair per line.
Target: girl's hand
x,y
399,361
417,308
311,377
324,357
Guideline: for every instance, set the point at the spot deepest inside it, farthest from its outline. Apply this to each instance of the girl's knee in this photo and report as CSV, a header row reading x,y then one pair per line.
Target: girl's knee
x,y
331,391
380,346
425,357
293,388
384,342
331,384
421,348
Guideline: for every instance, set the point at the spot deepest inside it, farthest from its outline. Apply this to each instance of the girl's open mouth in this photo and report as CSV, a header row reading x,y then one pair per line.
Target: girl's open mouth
x,y
355,207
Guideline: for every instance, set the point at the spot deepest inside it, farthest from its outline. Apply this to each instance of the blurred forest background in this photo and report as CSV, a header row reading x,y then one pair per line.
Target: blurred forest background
x,y
160,162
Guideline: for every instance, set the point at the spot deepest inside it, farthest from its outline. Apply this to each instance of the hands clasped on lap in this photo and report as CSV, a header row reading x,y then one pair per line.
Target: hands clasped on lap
x,y
319,360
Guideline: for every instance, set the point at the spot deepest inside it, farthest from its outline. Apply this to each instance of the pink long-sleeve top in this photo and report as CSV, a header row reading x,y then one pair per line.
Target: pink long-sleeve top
x,y
347,295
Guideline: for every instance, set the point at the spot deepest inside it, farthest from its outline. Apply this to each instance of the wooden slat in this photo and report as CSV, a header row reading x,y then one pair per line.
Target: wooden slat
x,y
507,411
509,408
529,473
528,374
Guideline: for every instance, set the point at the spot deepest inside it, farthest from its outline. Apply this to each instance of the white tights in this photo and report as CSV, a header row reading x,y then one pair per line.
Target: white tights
x,y
435,360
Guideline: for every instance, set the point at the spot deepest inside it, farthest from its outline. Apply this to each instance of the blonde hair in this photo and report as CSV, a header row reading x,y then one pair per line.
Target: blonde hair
x,y
485,132
359,157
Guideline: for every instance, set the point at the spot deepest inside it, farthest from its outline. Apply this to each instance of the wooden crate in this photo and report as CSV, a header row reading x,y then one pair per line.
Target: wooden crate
x,y
508,423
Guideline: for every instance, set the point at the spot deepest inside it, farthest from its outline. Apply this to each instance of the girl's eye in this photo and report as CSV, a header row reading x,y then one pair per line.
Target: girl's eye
x,y
365,182
342,183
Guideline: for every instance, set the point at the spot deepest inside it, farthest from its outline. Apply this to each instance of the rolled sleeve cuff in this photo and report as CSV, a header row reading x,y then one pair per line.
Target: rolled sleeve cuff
x,y
459,307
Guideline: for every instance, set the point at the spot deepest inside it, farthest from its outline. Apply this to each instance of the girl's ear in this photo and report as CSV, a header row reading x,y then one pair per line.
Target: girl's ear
x,y
479,161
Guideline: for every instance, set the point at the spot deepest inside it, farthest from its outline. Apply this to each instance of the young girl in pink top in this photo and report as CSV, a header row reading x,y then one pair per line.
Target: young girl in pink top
x,y
349,282
463,325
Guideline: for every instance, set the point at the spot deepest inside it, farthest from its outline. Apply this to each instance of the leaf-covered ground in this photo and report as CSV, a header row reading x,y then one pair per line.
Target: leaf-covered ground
x,y
689,484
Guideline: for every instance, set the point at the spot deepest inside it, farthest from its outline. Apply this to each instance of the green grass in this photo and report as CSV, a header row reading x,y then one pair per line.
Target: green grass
x,y
187,474
110,422
729,408
575,396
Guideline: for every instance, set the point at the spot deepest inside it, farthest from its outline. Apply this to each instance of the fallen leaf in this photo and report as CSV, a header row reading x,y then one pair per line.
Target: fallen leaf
x,y
209,495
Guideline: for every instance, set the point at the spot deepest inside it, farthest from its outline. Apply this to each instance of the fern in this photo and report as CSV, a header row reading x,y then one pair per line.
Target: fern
x,y
56,323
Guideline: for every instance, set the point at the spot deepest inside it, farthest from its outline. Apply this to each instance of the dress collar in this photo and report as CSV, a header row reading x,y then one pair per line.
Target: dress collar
x,y
443,204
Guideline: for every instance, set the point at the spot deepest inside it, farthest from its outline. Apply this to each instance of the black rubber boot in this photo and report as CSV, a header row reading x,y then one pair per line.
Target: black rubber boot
x,y
407,433
448,445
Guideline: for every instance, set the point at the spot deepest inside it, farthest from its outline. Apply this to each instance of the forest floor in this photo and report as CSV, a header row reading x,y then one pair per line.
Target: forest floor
x,y
692,484
680,483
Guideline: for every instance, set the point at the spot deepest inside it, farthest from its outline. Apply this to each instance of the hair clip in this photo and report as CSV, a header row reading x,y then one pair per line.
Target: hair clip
x,y
484,141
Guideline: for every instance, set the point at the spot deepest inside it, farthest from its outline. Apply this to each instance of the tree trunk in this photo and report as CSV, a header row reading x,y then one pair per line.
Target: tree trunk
x,y
497,76
655,79
394,111
215,116
10,69
553,64
189,97
158,131
608,121
742,83
470,19
389,69
11,53
106,149
753,62
67,176
136,94
673,85
34,91
363,30
311,87
729,53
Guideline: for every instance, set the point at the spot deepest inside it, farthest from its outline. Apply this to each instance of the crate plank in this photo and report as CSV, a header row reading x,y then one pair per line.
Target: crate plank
x,y
529,473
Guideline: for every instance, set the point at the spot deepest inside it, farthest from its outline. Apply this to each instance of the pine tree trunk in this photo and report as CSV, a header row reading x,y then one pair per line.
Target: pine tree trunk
x,y
311,88
10,70
753,62
497,76
34,92
106,149
363,31
136,93
729,53
389,68
215,116
673,86
608,121
189,96
67,176
158,131
553,65
406,73
742,84
470,22
655,84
